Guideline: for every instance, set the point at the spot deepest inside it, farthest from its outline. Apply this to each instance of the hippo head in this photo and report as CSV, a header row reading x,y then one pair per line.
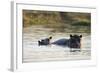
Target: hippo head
x,y
45,41
75,41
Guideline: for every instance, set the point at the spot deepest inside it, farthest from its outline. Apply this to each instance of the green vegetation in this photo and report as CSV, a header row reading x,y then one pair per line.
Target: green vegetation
x,y
82,23
59,21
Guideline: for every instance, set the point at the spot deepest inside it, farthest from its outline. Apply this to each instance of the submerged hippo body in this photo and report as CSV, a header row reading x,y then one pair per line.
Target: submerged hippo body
x,y
61,42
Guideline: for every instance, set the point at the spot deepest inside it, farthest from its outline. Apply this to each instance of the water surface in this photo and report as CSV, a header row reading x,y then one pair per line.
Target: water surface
x,y
34,53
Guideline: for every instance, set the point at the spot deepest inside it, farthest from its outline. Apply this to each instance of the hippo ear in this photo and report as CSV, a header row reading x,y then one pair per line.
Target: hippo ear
x,y
70,35
50,37
80,36
38,41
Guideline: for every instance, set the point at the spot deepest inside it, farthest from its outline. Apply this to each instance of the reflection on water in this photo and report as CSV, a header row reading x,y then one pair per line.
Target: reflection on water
x,y
33,53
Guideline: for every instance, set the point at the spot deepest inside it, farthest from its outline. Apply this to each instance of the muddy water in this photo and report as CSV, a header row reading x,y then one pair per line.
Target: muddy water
x,y
34,53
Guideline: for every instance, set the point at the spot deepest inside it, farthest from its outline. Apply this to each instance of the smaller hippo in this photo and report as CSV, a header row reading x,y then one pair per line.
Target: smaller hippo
x,y
73,42
45,41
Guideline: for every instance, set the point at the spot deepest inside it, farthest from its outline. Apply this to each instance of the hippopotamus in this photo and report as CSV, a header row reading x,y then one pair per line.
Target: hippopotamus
x,y
45,41
73,42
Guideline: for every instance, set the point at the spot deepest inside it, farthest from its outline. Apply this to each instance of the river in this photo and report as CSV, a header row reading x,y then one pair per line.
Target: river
x,y
34,53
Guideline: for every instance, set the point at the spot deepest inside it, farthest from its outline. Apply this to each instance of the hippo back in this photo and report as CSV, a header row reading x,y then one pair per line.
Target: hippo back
x,y
62,42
